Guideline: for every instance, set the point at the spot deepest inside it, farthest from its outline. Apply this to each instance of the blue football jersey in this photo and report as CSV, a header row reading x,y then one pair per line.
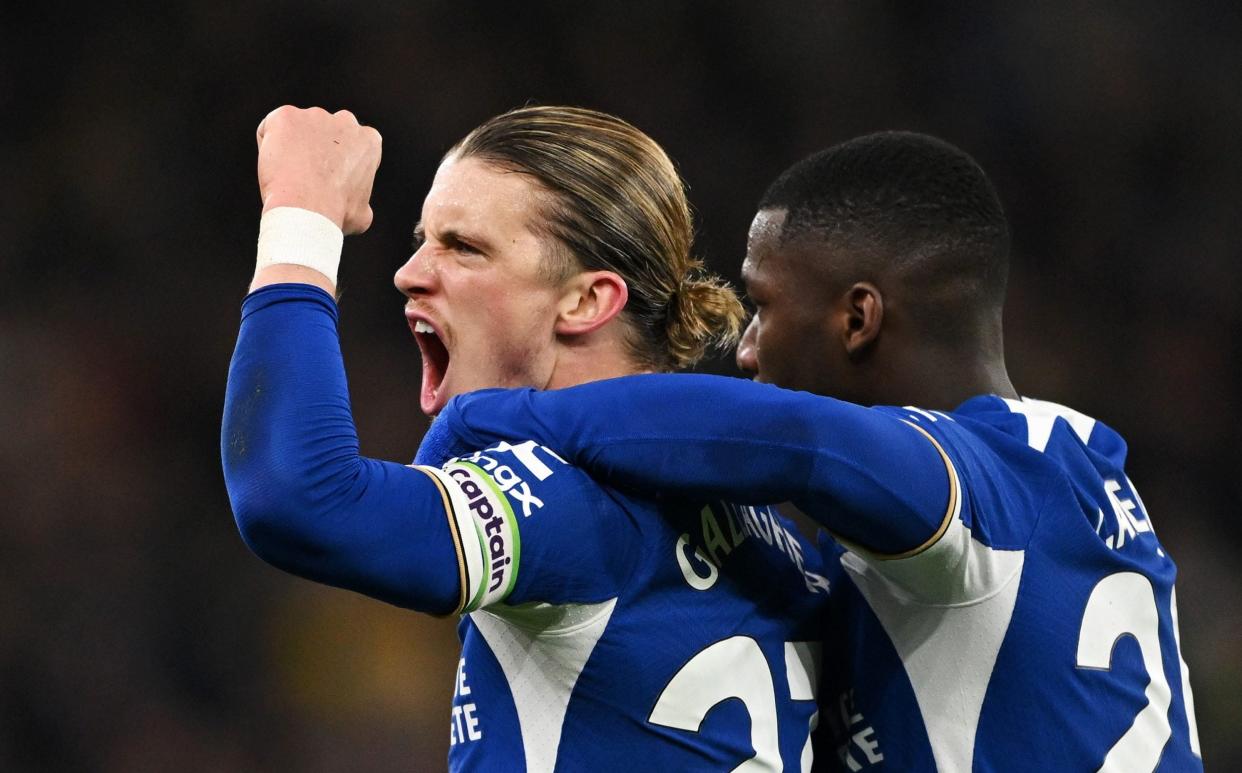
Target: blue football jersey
x,y
1033,625
1036,630
605,632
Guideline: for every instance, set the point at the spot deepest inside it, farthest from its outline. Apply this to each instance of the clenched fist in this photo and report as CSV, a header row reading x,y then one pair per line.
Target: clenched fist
x,y
321,161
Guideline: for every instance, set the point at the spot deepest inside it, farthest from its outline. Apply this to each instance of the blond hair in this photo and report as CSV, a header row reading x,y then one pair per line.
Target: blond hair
x,y
618,204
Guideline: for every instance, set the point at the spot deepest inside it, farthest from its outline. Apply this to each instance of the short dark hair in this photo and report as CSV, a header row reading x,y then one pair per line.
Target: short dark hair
x,y
914,199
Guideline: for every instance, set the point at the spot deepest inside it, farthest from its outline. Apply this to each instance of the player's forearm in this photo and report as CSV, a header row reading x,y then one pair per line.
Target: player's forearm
x,y
303,497
862,474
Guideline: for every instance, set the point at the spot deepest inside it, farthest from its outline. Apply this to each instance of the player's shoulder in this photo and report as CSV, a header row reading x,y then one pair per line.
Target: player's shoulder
x,y
525,472
530,526
1022,443
981,436
1027,427
539,488
1015,431
1002,481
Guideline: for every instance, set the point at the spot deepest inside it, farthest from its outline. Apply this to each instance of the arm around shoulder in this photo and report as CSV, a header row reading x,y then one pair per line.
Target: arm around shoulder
x,y
862,473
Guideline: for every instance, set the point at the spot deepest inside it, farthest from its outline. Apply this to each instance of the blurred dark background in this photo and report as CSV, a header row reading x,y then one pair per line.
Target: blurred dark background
x,y
136,631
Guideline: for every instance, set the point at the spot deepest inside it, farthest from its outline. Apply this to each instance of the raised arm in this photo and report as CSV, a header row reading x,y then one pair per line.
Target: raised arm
x,y
866,475
303,498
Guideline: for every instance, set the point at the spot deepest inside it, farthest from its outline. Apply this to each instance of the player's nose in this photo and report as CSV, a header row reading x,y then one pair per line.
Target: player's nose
x,y
419,275
747,356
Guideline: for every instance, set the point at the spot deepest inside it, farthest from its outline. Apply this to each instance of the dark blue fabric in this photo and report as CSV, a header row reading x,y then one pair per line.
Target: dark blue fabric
x,y
866,475
440,444
303,498
1060,559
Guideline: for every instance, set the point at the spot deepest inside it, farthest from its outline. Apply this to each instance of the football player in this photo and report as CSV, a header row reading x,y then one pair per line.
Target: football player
x,y
1009,605
599,630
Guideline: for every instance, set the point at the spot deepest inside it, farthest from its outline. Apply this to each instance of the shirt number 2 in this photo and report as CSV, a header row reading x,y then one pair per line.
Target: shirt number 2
x,y
736,668
1120,604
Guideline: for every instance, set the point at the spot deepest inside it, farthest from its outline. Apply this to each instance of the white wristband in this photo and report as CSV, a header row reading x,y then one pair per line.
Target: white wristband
x,y
301,237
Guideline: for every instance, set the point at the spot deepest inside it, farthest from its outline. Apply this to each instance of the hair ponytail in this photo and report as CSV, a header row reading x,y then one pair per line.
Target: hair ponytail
x,y
617,204
704,313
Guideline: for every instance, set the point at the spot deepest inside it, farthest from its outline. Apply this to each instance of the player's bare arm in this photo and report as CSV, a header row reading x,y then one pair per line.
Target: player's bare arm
x,y
320,162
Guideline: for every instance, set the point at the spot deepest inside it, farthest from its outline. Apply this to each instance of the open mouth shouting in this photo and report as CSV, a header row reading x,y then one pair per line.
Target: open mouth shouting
x,y
435,354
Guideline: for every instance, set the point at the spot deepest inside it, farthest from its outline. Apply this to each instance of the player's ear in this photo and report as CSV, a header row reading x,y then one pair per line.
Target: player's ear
x,y
589,301
864,314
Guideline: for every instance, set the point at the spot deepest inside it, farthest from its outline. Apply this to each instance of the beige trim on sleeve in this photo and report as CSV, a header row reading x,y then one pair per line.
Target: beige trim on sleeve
x,y
951,511
463,580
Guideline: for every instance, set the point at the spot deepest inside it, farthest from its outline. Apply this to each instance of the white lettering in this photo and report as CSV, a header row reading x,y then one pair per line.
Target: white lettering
x,y
505,477
525,453
521,493
486,462
472,722
713,539
779,536
795,549
816,582
693,578
849,715
455,729
735,529
865,739
758,524
1128,525
465,725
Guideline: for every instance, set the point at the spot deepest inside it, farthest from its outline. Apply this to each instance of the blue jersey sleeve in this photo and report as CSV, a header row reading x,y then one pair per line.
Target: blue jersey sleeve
x,y
867,476
303,497
538,529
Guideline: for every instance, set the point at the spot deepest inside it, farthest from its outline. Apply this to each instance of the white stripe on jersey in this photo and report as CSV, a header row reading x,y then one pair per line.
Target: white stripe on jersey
x,y
1187,696
803,661
925,617
542,649
1042,415
925,602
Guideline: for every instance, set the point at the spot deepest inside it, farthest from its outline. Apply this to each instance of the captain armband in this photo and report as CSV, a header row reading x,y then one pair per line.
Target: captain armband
x,y
485,532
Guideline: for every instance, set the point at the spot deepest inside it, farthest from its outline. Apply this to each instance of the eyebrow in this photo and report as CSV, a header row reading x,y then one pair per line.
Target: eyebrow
x,y
454,235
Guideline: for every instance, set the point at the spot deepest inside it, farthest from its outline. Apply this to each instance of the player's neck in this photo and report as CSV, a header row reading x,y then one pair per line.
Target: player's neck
x,y
591,360
949,384
985,381
936,373
941,373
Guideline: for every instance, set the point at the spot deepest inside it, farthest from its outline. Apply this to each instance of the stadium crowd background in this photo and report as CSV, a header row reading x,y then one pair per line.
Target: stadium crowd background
x,y
136,630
